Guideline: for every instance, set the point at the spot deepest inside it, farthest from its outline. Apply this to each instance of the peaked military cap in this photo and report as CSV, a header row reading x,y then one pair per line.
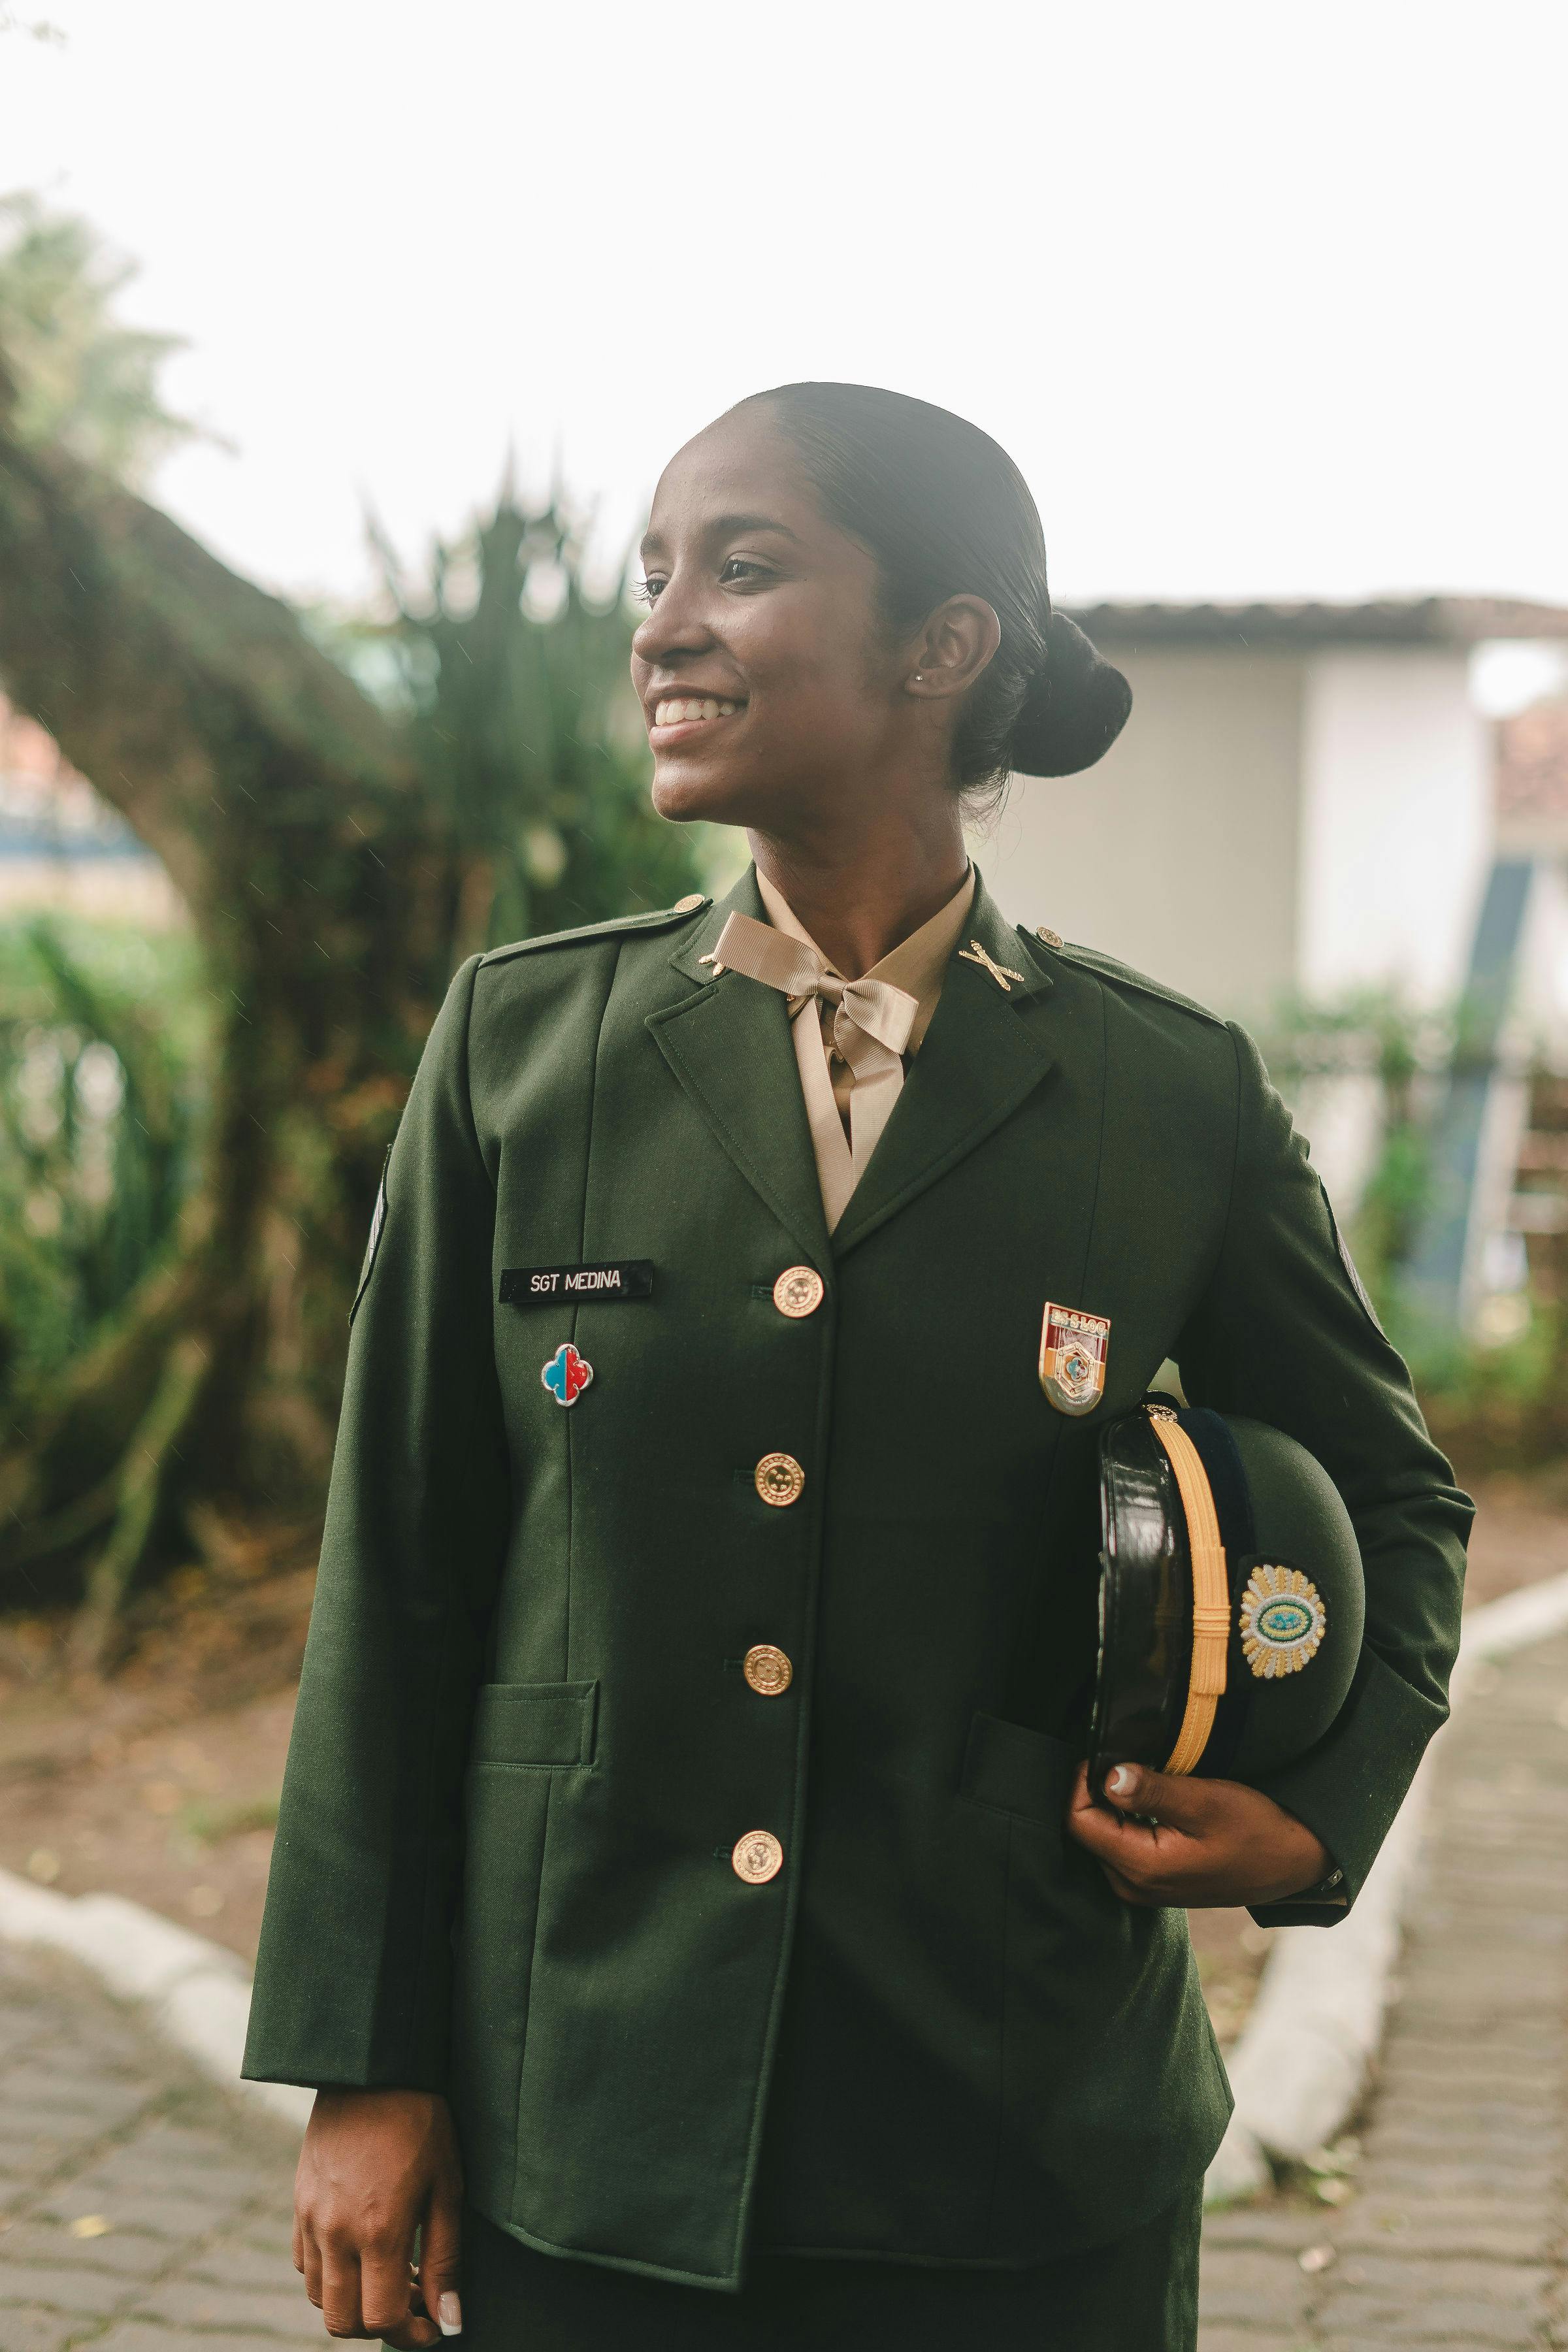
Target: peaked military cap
x,y
1231,1595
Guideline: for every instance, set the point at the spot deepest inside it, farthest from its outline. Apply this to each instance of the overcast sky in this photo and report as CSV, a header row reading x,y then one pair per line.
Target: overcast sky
x,y
1263,299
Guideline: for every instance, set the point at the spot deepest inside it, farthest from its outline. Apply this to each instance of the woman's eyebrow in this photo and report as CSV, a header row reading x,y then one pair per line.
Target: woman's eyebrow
x,y
730,526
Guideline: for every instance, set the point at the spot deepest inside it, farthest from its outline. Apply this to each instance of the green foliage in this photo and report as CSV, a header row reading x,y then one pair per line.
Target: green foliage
x,y
1494,1398
102,1032
1375,1033
82,380
516,679
209,1821
1507,1376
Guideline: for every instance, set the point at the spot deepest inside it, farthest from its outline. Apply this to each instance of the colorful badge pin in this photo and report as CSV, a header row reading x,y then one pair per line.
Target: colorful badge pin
x,y
1073,1351
567,1374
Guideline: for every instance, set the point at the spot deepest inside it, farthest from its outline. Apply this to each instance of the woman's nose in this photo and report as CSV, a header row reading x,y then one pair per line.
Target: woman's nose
x,y
673,625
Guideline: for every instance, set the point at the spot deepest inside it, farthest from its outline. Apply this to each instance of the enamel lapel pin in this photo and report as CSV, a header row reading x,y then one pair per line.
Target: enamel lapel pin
x,y
567,1374
1073,1349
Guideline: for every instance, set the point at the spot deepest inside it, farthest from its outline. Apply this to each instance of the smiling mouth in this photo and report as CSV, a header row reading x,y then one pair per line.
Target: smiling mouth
x,y
677,711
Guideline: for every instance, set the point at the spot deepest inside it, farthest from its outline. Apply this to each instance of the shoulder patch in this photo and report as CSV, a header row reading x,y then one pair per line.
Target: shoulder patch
x,y
663,919
1122,975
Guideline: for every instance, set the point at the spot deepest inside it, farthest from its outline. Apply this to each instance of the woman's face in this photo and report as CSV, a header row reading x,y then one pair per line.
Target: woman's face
x,y
771,690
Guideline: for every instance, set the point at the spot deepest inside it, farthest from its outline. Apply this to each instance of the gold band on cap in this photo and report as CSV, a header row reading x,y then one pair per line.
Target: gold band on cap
x,y
1211,1593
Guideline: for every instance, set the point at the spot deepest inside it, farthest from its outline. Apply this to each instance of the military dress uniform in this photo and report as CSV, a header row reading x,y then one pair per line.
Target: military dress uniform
x,y
706,1624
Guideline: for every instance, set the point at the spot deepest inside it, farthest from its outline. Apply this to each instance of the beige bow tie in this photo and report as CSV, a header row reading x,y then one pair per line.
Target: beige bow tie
x,y
871,1025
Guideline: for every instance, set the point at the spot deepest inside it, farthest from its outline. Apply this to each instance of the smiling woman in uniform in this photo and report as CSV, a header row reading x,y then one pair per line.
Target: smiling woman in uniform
x,y
684,1855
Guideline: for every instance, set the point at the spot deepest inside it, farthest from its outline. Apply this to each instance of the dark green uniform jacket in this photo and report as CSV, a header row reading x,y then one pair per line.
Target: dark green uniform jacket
x,y
525,1747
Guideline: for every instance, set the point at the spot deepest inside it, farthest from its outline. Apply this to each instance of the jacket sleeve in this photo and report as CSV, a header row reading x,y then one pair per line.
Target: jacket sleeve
x,y
353,1977
1283,1332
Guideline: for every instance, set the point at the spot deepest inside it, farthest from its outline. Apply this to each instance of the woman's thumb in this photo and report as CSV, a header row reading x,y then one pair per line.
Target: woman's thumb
x,y
438,2251
1152,1796
1122,1784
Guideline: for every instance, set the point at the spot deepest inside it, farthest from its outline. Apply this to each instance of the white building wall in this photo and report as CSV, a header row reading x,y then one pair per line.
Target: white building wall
x,y
1178,853
1396,821
1541,1001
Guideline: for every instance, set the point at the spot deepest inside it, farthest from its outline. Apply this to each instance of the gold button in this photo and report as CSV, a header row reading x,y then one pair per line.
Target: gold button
x,y
690,906
758,1856
780,1479
767,1670
1052,938
799,1290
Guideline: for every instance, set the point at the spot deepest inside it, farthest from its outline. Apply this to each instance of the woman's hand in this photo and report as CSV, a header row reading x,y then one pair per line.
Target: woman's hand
x,y
1196,1843
377,2166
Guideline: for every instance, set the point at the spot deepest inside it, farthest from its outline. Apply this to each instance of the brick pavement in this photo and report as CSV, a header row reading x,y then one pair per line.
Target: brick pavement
x,y
1457,2234
141,2211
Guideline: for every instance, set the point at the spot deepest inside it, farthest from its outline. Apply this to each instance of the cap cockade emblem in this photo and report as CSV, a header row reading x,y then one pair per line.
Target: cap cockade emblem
x,y
1283,1621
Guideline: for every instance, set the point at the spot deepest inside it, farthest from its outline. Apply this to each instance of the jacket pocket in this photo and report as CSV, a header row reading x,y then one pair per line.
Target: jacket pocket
x,y
1009,1769
534,1726
527,1741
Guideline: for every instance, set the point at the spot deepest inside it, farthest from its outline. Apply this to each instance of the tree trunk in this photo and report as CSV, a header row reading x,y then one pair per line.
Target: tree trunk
x,y
326,892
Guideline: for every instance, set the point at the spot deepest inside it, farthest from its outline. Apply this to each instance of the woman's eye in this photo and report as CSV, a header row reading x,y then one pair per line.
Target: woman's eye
x,y
647,590
739,570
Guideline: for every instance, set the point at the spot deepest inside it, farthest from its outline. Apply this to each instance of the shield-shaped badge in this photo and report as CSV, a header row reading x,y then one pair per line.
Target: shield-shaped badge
x,y
1073,1349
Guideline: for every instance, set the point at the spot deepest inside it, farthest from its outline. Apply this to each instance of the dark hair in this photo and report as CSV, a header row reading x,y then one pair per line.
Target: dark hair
x,y
945,512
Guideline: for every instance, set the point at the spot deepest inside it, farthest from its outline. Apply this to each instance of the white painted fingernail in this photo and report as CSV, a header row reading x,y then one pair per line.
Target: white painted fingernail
x,y
1119,1781
450,2315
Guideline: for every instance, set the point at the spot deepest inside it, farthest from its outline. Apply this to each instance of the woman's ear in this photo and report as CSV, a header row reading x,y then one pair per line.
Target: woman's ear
x,y
955,645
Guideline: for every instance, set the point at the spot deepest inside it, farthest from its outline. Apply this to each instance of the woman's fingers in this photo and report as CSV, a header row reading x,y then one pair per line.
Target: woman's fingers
x,y
338,2297
1151,1826
387,2290
308,2261
415,2334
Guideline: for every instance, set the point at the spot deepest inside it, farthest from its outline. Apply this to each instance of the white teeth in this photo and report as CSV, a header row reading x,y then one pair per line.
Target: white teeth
x,y
678,711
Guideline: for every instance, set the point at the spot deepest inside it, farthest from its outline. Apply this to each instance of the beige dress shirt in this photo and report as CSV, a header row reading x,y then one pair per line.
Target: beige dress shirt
x,y
918,965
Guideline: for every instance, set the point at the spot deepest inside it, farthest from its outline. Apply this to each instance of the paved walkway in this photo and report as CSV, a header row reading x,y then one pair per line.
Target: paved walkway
x,y
1458,2232
139,2210
142,2211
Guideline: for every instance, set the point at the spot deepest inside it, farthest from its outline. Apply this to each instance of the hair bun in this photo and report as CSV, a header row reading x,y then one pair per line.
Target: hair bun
x,y
1076,706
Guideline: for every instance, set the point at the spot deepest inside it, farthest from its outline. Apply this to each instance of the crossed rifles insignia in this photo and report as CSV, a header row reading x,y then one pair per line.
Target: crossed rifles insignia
x,y
1001,974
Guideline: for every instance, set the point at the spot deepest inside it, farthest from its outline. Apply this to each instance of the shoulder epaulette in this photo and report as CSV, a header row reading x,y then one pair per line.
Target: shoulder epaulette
x,y
1122,975
663,919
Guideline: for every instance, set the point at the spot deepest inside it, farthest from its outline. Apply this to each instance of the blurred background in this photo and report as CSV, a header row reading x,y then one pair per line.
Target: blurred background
x,y
341,350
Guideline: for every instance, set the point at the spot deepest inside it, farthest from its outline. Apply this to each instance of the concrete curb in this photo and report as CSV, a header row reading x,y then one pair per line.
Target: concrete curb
x,y
196,1994
1302,2058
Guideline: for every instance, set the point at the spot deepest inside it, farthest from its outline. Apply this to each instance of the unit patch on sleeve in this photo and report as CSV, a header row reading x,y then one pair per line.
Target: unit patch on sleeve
x,y
552,1285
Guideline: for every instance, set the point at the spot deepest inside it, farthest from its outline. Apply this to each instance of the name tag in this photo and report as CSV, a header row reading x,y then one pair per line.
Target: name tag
x,y
558,1285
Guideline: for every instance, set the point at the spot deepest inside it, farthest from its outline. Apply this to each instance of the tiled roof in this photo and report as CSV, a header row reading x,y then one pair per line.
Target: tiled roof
x,y
1533,762
1389,621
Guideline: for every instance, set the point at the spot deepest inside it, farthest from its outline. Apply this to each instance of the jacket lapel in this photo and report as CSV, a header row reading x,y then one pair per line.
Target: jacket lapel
x,y
986,1050
730,1047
